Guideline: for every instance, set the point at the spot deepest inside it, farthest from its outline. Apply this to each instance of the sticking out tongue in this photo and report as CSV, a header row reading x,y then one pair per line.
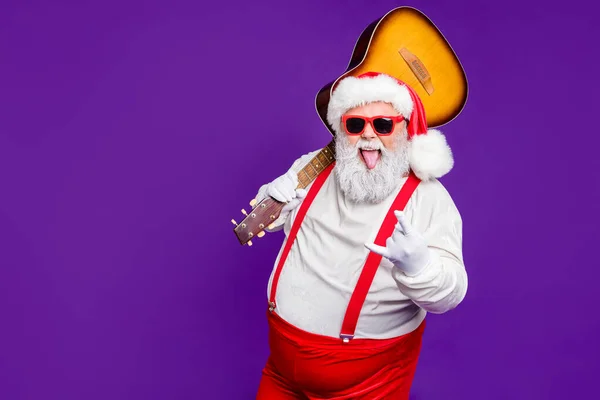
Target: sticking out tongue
x,y
371,157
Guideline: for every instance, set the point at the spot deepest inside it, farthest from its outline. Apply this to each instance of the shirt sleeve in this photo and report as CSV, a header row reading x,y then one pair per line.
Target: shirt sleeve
x,y
297,166
442,284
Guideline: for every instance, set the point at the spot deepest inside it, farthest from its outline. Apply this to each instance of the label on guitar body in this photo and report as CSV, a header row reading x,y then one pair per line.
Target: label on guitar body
x,y
418,68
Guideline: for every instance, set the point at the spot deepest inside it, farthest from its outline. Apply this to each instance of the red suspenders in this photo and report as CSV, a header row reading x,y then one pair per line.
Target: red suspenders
x,y
368,273
370,268
308,199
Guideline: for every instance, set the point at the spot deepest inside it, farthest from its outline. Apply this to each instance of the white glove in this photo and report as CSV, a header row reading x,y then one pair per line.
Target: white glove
x,y
406,248
283,189
300,194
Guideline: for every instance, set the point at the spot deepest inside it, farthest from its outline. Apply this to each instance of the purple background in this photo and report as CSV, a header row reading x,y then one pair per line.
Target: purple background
x,y
131,133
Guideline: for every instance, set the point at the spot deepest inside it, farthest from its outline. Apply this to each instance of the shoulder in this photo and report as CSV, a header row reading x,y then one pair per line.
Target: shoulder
x,y
432,197
303,160
433,187
433,213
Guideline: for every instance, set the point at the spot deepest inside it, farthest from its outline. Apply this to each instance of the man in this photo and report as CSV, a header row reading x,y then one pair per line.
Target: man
x,y
347,315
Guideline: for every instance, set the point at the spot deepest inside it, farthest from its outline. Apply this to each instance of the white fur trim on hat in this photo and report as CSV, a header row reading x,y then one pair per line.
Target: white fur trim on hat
x,y
430,156
354,92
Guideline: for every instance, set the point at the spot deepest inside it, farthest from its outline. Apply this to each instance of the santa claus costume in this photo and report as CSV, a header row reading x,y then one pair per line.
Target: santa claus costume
x,y
354,279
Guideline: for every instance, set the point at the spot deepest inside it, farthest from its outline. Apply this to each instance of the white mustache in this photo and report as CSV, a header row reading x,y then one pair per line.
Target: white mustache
x,y
364,144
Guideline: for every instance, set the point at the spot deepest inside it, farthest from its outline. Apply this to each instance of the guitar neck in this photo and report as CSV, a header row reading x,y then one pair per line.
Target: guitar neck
x,y
267,211
317,165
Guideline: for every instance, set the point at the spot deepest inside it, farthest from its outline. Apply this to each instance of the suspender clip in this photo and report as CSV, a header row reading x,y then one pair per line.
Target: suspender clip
x,y
271,306
346,338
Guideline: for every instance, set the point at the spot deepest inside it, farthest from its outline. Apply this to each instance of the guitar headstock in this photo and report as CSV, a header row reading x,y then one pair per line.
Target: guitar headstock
x,y
261,216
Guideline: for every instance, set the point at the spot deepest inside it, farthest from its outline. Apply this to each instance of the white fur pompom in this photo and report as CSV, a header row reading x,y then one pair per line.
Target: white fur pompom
x,y
430,156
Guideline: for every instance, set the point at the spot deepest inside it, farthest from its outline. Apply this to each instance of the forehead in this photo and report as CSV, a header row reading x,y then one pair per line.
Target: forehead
x,y
375,108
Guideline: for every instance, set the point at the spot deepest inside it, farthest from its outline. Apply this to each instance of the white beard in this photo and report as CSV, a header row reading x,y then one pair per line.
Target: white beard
x,y
362,185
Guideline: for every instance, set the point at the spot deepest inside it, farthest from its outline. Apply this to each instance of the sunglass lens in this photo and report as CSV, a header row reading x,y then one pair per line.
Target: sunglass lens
x,y
355,125
383,125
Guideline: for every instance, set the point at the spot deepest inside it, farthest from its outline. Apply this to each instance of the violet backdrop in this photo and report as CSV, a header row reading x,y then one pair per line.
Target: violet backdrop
x,y
131,133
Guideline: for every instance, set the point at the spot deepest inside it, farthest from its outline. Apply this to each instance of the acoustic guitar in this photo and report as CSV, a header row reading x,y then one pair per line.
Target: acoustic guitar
x,y
405,44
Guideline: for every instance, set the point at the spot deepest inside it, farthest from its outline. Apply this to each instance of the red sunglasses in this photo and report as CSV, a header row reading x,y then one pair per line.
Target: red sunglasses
x,y
381,124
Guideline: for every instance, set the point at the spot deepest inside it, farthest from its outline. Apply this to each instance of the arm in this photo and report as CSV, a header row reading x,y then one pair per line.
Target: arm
x,y
442,282
427,254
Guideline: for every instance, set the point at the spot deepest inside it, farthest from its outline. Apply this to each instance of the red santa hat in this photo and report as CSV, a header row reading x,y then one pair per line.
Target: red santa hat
x,y
429,153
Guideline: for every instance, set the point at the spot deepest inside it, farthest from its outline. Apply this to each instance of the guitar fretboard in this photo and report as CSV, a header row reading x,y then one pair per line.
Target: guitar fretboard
x,y
317,165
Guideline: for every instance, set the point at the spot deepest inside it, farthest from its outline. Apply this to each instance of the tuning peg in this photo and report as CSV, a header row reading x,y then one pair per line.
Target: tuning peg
x,y
271,226
252,202
249,242
244,212
233,222
260,234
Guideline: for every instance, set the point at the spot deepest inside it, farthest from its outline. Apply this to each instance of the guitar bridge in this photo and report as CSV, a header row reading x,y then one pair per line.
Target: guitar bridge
x,y
418,68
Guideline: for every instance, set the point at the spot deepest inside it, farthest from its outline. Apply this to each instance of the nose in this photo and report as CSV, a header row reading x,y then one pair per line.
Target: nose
x,y
369,133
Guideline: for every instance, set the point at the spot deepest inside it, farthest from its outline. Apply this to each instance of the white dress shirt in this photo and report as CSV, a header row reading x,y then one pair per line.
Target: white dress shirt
x,y
328,255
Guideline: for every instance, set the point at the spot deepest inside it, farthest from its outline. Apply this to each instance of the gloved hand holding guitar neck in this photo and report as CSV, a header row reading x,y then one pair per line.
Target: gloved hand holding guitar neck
x,y
283,189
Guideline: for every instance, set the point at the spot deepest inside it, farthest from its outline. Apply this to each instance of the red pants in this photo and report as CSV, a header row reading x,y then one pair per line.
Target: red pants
x,y
313,367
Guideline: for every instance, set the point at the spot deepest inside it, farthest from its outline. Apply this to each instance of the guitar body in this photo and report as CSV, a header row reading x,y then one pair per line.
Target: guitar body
x,y
405,44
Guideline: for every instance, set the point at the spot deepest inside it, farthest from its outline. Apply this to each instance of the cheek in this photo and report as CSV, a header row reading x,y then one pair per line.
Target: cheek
x,y
389,142
353,139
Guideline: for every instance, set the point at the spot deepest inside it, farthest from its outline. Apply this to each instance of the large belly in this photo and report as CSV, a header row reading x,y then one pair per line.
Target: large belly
x,y
323,268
